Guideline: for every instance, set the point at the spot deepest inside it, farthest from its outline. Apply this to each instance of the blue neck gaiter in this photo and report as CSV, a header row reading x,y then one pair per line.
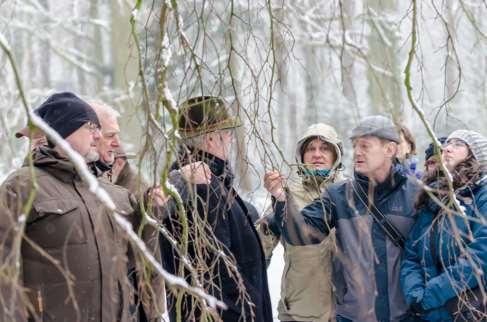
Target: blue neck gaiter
x,y
324,173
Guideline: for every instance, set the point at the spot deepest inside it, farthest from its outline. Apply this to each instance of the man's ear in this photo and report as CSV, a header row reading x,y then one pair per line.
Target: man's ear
x,y
392,148
209,139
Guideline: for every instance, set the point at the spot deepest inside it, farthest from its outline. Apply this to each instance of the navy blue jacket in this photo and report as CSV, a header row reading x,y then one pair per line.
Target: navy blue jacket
x,y
434,269
366,272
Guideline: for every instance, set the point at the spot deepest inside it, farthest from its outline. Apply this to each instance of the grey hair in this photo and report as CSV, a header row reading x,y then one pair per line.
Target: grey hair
x,y
196,141
102,109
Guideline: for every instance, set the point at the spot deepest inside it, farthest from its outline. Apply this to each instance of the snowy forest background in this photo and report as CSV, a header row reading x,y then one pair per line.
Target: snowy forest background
x,y
283,64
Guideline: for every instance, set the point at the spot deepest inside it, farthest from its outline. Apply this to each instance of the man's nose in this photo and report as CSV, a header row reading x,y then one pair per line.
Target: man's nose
x,y
116,141
317,153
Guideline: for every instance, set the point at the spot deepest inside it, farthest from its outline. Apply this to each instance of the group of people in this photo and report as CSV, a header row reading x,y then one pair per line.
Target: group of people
x,y
392,243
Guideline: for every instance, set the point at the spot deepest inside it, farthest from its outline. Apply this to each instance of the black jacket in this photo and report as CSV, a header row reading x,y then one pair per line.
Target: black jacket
x,y
220,207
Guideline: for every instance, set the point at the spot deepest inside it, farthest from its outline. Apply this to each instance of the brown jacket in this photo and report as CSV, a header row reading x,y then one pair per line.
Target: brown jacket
x,y
74,258
129,179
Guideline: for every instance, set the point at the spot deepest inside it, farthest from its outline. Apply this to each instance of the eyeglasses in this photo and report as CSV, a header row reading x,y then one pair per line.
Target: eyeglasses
x,y
455,143
92,127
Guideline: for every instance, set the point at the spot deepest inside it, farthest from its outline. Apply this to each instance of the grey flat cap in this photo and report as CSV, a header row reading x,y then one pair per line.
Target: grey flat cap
x,y
378,126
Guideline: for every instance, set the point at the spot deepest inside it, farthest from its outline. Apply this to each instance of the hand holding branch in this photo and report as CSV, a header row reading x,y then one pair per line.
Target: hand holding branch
x,y
196,173
274,182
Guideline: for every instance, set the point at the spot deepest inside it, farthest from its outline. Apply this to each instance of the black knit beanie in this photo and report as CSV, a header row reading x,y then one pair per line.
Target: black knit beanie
x,y
66,112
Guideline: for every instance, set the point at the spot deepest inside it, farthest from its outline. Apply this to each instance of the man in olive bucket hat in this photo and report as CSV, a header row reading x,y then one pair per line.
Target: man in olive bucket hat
x,y
206,130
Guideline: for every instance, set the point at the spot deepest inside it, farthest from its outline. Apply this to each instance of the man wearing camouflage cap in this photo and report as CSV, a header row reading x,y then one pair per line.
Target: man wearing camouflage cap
x,y
372,214
206,129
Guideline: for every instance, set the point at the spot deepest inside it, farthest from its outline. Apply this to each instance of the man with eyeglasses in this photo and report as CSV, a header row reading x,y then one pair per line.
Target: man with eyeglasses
x,y
216,214
70,261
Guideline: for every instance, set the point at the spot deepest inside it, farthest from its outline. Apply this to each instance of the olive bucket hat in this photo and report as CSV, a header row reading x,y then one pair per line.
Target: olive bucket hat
x,y
204,114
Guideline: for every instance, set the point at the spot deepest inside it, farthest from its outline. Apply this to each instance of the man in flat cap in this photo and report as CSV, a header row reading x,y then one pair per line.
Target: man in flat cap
x,y
372,214
214,208
70,262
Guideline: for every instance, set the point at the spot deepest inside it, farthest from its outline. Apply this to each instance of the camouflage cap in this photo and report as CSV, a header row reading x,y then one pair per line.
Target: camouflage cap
x,y
204,114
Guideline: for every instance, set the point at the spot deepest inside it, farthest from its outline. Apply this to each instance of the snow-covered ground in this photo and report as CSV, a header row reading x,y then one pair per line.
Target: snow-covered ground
x,y
274,273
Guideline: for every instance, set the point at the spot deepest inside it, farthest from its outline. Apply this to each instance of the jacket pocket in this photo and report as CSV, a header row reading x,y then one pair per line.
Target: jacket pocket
x,y
56,223
59,303
306,288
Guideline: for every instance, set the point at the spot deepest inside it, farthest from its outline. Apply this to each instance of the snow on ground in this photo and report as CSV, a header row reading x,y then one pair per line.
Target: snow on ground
x,y
274,273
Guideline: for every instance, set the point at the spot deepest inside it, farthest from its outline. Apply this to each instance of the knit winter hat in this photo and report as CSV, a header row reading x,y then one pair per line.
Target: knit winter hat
x,y
378,126
65,113
204,114
476,142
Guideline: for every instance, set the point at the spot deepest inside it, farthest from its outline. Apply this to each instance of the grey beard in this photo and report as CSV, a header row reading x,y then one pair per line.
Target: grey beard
x,y
92,156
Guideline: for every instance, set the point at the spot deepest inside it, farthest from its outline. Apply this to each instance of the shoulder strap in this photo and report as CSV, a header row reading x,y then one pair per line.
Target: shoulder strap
x,y
388,227
384,223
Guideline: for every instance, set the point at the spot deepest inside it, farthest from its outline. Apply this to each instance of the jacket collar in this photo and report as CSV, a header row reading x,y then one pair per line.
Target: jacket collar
x,y
62,168
466,191
318,183
468,188
124,176
397,177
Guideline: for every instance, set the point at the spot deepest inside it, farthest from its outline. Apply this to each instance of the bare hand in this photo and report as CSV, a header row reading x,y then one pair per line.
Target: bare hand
x,y
274,183
196,173
117,167
158,197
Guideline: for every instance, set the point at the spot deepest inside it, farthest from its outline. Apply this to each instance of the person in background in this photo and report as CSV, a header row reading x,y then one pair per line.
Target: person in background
x,y
430,158
406,153
113,160
110,131
112,163
306,287
38,138
443,274
123,174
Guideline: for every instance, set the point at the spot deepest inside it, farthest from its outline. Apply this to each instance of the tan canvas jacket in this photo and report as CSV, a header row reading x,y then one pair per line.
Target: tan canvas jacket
x,y
306,288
